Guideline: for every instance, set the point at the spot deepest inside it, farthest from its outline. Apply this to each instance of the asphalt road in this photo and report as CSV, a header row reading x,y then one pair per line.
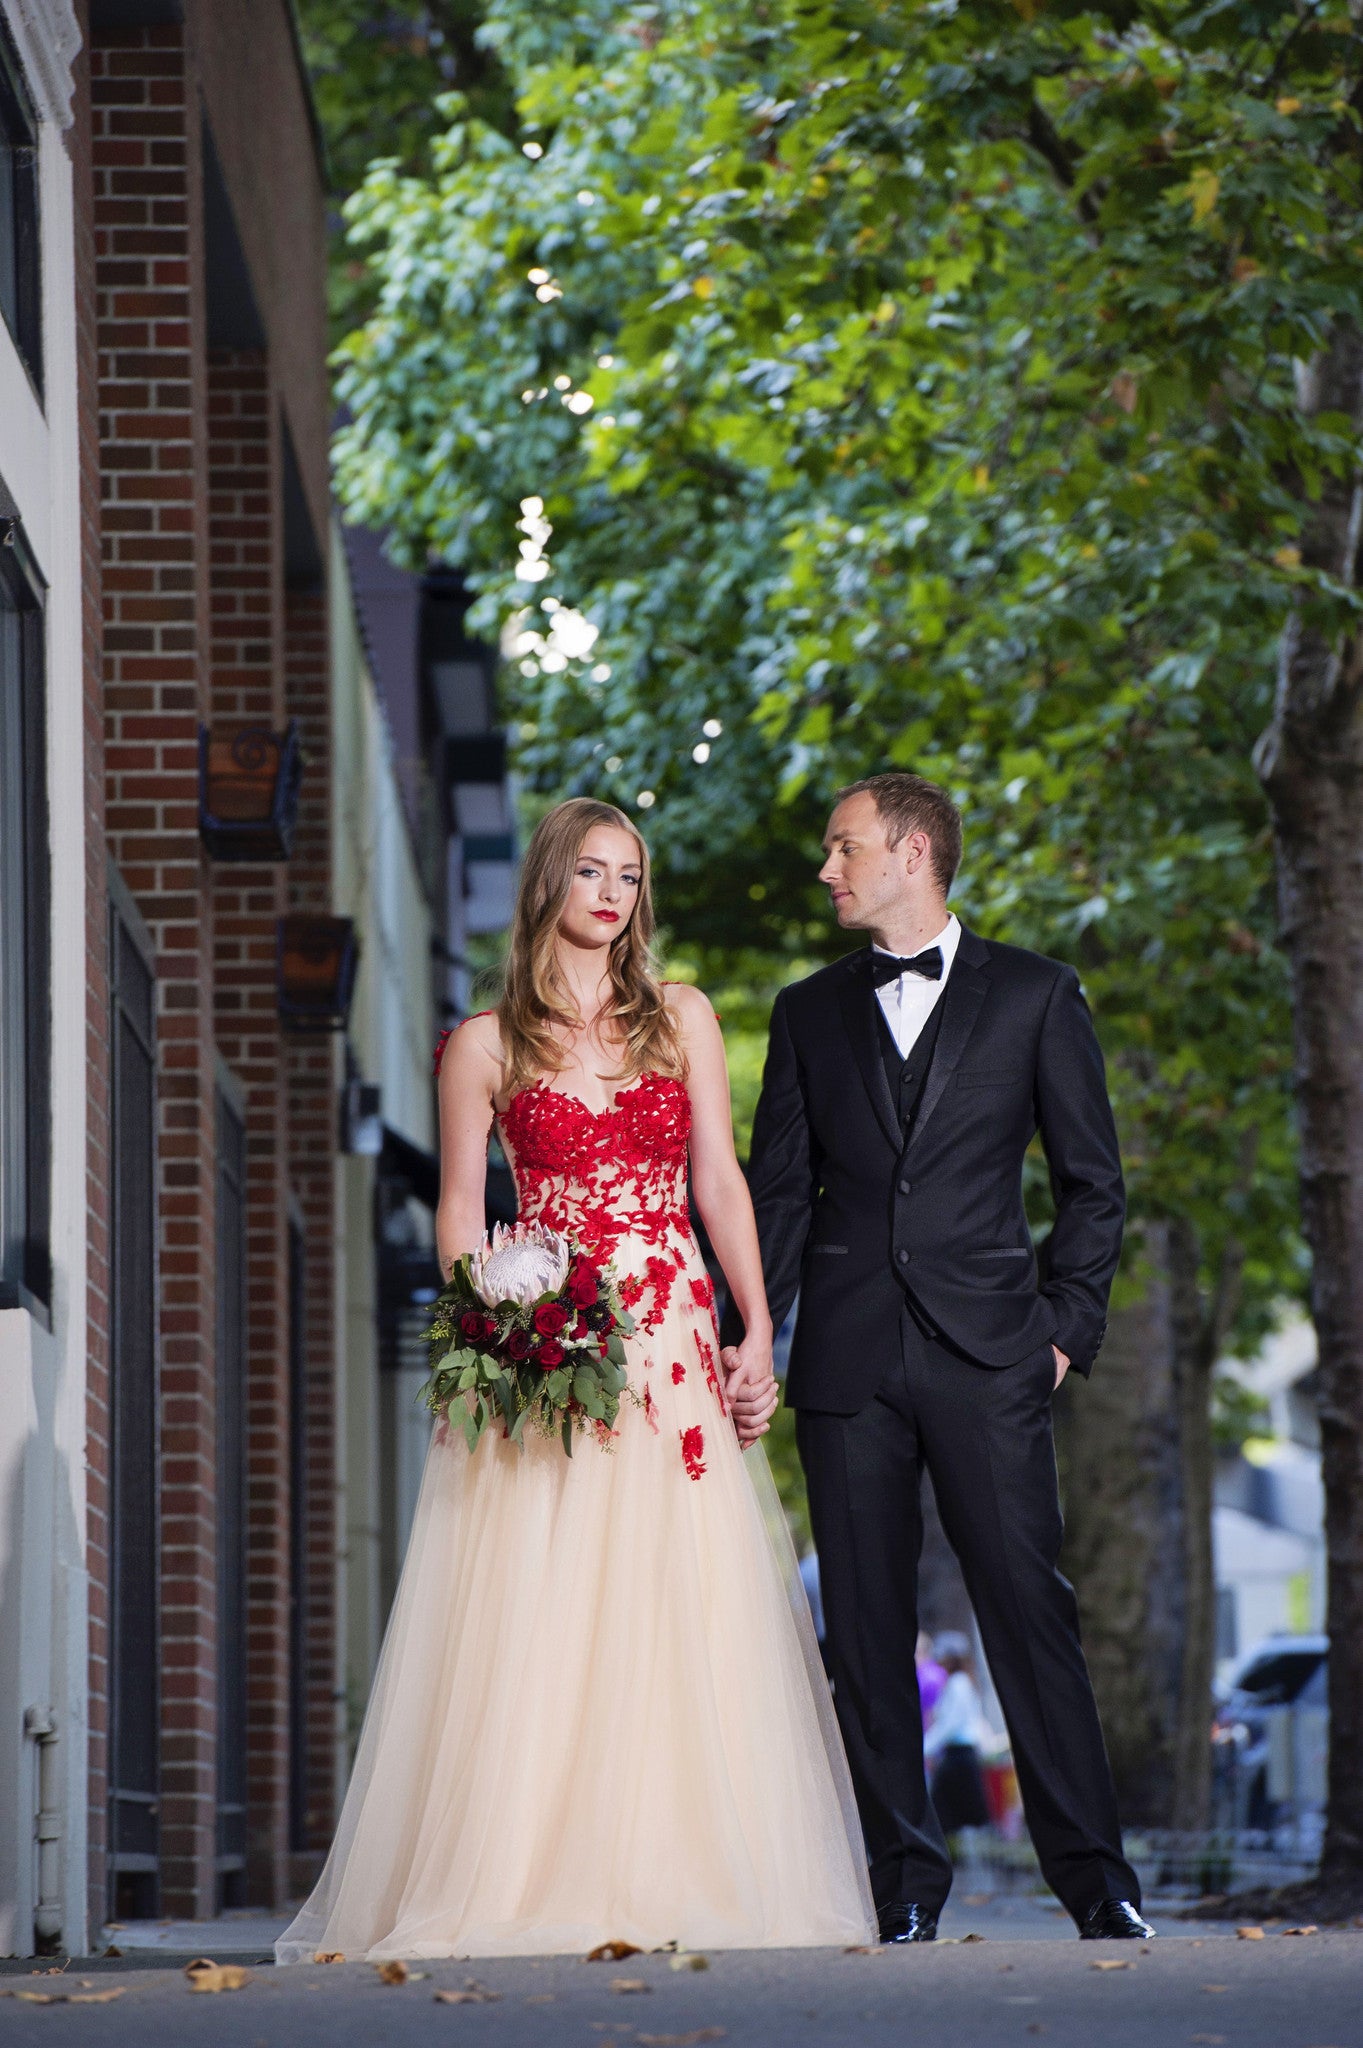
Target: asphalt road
x,y
1193,1985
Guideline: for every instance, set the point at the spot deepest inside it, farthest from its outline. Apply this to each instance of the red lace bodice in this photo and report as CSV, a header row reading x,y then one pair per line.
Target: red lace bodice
x,y
604,1175
615,1181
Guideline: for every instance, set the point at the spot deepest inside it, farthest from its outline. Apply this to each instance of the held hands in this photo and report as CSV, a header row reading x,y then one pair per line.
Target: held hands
x,y
750,1387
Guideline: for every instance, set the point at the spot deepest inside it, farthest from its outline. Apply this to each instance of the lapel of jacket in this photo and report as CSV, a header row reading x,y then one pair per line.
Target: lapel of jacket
x,y
967,985
859,1008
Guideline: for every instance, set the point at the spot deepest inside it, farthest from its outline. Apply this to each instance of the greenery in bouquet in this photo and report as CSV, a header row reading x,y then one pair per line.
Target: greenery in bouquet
x,y
528,1327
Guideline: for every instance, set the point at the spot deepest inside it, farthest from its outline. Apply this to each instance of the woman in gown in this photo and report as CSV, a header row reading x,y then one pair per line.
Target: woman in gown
x,y
599,1713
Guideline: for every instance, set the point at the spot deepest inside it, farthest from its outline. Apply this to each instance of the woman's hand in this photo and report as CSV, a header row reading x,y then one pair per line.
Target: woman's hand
x,y
751,1387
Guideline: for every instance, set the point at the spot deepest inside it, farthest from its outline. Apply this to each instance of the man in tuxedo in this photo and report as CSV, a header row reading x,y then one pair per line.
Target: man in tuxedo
x,y
903,1085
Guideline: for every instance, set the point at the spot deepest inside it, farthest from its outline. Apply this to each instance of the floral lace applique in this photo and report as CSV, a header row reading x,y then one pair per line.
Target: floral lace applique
x,y
693,1451
651,1409
707,1359
703,1292
607,1175
678,1373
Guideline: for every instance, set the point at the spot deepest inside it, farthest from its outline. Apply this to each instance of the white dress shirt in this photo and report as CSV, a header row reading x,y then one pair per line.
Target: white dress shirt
x,y
911,1000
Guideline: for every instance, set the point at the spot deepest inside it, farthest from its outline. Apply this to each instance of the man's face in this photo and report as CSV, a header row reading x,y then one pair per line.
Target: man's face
x,y
867,880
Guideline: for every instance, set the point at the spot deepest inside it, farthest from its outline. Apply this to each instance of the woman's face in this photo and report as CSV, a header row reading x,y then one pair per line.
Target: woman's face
x,y
604,891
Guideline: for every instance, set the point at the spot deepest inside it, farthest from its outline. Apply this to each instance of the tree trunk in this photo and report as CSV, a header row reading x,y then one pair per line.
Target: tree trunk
x,y
1194,1357
1311,763
1118,1439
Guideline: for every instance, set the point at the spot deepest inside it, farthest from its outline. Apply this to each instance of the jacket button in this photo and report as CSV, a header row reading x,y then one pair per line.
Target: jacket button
x,y
902,1257
906,1187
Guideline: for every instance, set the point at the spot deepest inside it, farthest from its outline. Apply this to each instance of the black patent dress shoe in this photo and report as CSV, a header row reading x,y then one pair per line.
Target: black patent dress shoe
x,y
1115,1920
907,1923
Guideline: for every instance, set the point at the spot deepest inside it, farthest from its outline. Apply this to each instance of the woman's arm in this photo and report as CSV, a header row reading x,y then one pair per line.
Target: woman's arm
x,y
470,1073
721,1194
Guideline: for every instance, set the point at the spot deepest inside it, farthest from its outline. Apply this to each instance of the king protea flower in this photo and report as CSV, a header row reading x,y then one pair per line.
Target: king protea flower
x,y
519,1264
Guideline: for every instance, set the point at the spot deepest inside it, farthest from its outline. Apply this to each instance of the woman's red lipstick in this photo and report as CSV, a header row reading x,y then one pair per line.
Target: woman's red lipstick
x,y
607,916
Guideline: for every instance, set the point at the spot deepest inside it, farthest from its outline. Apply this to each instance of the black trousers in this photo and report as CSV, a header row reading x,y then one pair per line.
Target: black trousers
x,y
985,1437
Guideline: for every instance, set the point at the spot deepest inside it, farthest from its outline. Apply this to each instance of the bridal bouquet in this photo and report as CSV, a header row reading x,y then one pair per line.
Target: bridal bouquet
x,y
527,1327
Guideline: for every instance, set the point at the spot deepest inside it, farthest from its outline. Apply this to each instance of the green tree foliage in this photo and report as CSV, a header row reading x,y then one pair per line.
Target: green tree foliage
x,y
378,68
904,383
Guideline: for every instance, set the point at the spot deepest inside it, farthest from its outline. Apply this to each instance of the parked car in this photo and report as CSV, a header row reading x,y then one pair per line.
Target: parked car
x,y
1270,1732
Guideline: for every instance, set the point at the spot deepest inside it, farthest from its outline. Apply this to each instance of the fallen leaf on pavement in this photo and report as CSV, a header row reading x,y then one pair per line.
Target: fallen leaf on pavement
x,y
1249,1933
691,2040
629,1984
394,1971
473,1993
206,1975
1301,1930
111,1951
613,1951
1114,1963
689,1963
328,1955
95,1997
1216,1987
39,1997
974,1937
859,1949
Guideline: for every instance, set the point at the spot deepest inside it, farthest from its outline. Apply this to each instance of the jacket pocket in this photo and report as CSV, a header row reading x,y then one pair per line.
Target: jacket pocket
x,y
980,1079
1011,1251
842,1248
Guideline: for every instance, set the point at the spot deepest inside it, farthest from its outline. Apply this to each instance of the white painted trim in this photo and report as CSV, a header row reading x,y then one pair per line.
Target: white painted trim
x,y
47,37
43,1502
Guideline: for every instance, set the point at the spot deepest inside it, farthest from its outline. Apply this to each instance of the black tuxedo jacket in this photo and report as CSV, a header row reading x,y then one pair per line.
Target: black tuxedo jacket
x,y
859,1211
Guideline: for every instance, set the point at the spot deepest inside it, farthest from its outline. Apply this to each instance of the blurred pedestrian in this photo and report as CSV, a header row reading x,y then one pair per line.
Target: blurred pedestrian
x,y
932,1676
954,1739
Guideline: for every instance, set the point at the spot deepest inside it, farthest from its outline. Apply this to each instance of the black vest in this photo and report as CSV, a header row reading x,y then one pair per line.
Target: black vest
x,y
908,1077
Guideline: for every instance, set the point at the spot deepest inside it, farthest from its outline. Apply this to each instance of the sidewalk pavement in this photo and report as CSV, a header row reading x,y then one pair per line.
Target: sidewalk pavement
x,y
251,1935
1011,1988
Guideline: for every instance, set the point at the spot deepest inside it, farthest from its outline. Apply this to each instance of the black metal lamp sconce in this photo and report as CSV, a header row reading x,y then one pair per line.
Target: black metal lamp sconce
x,y
249,781
316,962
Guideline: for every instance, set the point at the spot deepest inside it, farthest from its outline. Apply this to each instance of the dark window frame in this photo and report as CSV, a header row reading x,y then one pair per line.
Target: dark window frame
x,y
26,1022
21,308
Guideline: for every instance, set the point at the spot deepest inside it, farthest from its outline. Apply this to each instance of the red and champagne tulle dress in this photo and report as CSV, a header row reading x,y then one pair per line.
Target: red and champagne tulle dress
x,y
599,1713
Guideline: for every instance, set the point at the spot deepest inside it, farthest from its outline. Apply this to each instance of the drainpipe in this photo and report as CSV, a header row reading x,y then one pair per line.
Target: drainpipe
x,y
41,1724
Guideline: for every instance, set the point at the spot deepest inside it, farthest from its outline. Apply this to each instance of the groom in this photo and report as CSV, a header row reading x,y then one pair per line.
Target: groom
x,y
903,1085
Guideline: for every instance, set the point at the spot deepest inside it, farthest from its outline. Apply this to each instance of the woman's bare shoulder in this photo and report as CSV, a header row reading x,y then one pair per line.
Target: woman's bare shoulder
x,y
691,1008
474,1044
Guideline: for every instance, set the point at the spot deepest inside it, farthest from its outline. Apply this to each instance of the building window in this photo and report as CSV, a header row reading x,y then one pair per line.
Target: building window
x,y
20,272
25,1021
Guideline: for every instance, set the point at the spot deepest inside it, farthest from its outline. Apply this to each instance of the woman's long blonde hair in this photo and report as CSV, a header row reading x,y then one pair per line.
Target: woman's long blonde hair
x,y
535,999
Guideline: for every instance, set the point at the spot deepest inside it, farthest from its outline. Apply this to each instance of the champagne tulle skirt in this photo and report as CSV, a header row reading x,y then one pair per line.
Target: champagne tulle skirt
x,y
599,1713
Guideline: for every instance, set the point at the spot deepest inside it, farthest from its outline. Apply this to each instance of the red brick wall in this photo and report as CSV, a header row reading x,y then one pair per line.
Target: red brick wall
x,y
96,999
152,391
314,1077
246,552
193,625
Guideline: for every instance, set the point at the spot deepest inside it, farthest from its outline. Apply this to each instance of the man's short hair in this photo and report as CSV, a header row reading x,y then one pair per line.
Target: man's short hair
x,y
910,803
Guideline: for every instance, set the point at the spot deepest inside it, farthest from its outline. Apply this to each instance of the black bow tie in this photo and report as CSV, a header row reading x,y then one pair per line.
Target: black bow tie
x,y
887,967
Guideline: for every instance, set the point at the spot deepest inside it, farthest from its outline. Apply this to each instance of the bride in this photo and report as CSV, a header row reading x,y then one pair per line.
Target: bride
x,y
599,1713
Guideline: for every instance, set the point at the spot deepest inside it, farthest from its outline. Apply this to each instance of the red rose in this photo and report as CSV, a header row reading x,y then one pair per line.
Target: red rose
x,y
550,1353
550,1318
583,1287
475,1326
518,1345
581,1328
